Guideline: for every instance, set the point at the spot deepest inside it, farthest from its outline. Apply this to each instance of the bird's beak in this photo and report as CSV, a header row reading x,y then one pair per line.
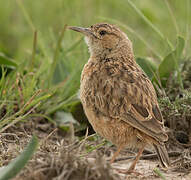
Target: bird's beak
x,y
85,31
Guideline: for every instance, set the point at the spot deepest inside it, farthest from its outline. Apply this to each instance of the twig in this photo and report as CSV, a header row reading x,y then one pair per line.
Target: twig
x,y
18,119
50,134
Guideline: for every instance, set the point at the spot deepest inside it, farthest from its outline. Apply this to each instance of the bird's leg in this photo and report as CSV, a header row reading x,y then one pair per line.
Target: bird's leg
x,y
116,154
132,167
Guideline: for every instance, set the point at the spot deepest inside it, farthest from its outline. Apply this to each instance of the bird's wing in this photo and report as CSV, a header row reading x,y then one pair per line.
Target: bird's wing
x,y
143,111
132,99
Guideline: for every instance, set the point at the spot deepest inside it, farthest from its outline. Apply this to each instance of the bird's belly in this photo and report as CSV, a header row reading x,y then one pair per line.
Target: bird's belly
x,y
114,130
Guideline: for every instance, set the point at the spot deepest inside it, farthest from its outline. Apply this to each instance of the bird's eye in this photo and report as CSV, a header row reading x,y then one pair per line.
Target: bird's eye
x,y
102,33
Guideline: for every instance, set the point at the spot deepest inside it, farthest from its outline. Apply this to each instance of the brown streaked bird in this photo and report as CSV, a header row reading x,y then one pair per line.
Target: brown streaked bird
x,y
118,98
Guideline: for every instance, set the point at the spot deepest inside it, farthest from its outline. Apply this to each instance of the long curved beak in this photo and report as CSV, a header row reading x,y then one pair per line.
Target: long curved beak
x,y
85,31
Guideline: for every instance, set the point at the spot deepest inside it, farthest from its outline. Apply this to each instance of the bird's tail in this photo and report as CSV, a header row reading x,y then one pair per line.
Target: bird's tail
x,y
162,155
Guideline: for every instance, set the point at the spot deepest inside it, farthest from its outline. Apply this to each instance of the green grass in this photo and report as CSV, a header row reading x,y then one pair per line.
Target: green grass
x,y
49,58
41,60
10,171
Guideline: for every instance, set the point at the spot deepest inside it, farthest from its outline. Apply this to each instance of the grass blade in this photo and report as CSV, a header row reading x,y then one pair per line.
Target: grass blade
x,y
172,16
55,59
171,62
149,23
148,66
6,61
158,172
16,165
187,37
33,51
32,26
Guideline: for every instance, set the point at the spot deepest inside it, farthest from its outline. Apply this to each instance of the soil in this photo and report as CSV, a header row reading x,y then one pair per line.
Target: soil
x,y
63,156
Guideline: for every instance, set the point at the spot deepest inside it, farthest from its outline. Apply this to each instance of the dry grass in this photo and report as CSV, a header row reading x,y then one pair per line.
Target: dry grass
x,y
58,157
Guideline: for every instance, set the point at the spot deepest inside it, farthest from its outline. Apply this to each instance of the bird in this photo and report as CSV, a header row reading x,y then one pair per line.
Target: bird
x,y
118,98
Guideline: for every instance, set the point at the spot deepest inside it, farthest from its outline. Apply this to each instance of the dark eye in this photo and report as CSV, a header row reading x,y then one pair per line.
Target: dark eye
x,y
102,33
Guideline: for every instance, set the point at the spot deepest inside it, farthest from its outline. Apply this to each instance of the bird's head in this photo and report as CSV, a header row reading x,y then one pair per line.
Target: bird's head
x,y
104,39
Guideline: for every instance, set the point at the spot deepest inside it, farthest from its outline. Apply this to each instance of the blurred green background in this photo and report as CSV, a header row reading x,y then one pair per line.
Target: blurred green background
x,y
19,19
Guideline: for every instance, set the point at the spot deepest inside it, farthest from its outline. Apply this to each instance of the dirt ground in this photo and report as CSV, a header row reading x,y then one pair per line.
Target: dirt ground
x,y
63,156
